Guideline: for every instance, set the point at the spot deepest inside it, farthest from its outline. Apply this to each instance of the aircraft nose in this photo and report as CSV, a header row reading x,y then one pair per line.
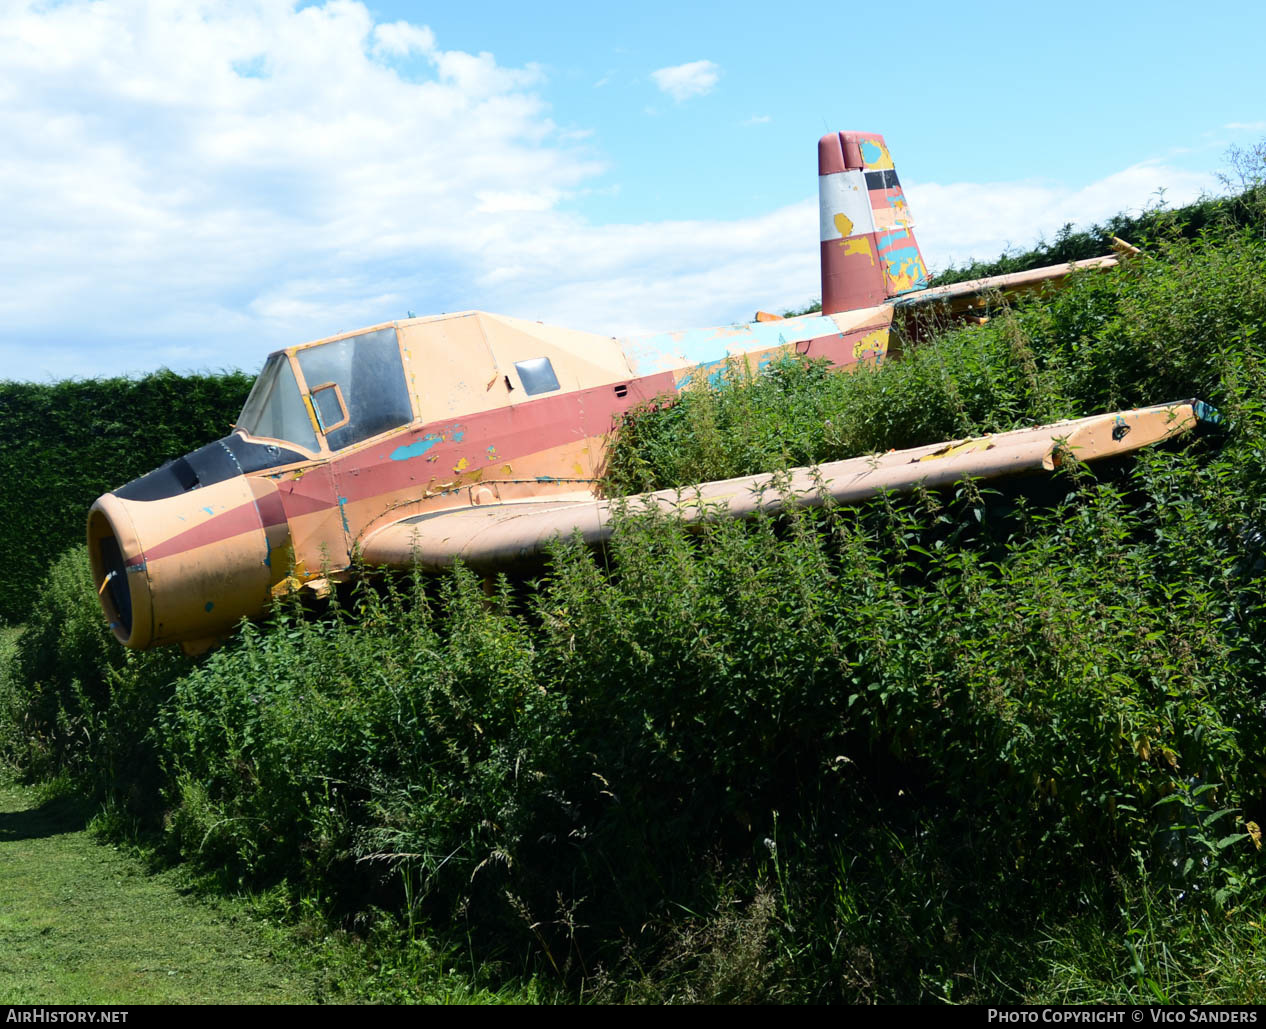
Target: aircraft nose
x,y
118,572
185,568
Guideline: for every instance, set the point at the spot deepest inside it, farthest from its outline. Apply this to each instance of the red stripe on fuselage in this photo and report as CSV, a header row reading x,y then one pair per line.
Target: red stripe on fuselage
x,y
492,439
487,440
271,509
216,528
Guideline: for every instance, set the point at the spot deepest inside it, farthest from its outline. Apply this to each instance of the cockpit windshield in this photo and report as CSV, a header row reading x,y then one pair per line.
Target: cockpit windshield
x,y
357,386
275,410
356,389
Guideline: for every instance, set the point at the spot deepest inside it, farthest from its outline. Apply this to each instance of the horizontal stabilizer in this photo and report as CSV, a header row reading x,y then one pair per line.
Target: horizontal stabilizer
x,y
961,296
493,535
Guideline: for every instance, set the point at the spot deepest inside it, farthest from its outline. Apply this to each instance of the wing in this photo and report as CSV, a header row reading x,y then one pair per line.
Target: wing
x,y
503,534
961,297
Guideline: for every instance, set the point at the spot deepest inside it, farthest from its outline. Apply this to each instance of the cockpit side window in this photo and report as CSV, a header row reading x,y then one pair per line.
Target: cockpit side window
x,y
369,377
275,409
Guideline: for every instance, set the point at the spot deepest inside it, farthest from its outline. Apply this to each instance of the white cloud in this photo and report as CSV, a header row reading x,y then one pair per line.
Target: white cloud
x,y
503,201
200,183
400,39
1246,126
246,175
682,81
956,222
758,119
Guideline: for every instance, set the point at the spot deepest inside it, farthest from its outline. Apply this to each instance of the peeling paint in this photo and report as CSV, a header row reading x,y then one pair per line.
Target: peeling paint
x,y
972,446
712,371
905,269
668,351
415,449
873,344
875,155
858,245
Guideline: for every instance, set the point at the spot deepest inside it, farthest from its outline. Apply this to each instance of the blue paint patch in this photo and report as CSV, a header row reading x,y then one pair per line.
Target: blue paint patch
x,y
208,510
666,350
268,552
546,478
905,260
208,607
458,434
1206,413
871,152
342,510
890,238
713,371
415,449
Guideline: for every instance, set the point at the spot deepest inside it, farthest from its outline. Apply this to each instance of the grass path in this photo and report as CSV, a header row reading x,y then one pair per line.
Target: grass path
x,y
83,923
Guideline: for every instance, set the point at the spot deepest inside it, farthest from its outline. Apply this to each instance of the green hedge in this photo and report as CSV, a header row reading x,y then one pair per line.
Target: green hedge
x,y
63,444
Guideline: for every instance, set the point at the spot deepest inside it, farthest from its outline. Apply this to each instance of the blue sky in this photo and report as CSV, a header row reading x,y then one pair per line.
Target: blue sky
x,y
193,184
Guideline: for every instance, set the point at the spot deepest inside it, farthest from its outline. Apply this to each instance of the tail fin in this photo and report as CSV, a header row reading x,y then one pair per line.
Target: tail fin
x,y
868,248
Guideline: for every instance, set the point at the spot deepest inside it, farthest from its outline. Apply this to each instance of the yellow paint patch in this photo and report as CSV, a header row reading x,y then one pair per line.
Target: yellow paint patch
x,y
872,345
912,273
970,447
884,160
858,245
461,465
580,472
844,224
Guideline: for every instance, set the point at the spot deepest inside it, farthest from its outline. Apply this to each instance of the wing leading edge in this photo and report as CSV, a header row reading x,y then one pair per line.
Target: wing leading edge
x,y
503,534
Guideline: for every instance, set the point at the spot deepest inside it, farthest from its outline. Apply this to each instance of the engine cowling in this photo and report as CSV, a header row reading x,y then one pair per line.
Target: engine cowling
x,y
188,567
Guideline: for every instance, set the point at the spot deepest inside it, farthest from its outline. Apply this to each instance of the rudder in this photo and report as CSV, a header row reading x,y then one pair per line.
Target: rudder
x,y
869,252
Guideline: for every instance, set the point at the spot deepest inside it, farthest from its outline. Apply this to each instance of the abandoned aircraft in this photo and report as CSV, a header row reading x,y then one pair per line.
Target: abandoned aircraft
x,y
481,437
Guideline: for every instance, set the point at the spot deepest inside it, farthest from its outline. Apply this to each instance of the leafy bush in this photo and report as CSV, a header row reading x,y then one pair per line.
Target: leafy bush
x,y
922,728
86,704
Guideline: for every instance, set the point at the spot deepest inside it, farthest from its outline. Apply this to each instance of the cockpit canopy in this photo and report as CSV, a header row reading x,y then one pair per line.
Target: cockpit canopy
x,y
347,390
